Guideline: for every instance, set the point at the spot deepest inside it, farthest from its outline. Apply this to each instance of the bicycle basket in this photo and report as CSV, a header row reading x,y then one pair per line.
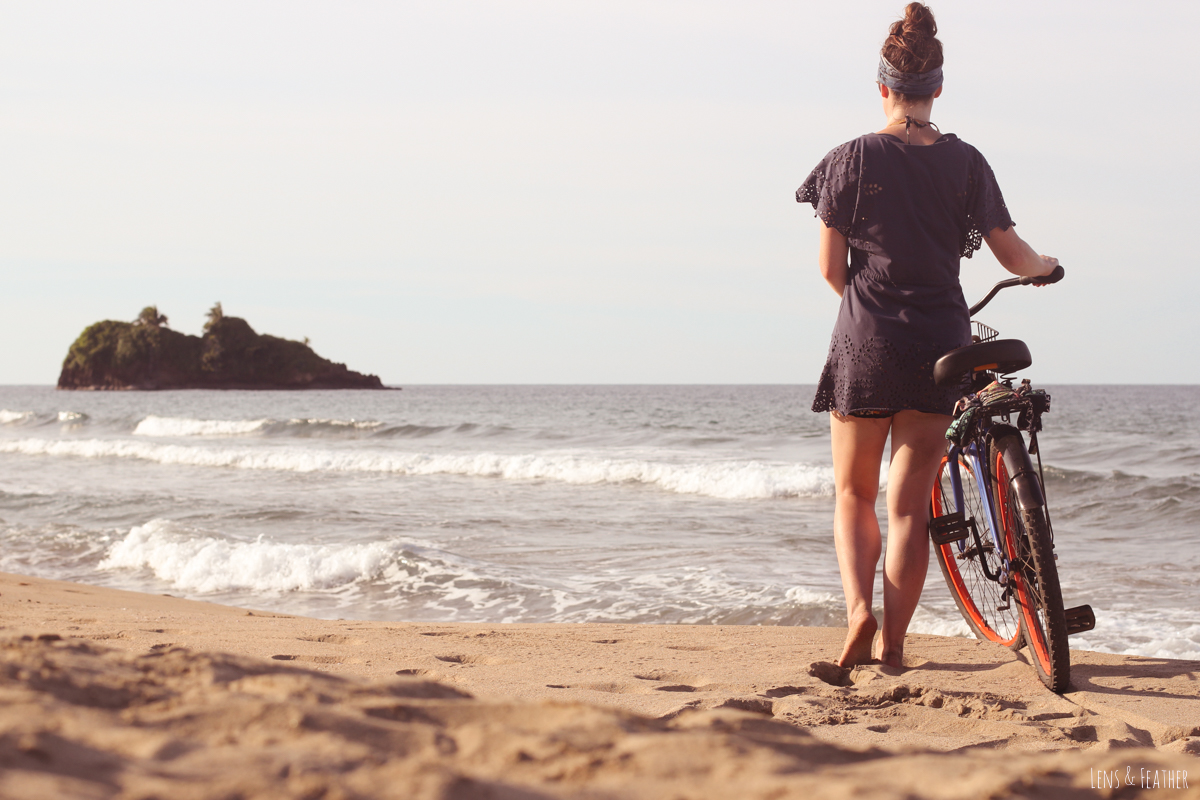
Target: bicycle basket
x,y
983,333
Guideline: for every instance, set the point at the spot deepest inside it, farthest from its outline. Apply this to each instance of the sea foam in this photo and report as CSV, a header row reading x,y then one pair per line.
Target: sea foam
x,y
173,426
732,480
1158,632
196,562
185,426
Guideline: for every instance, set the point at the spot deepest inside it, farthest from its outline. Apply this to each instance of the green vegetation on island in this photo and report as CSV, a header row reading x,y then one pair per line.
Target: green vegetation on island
x,y
146,354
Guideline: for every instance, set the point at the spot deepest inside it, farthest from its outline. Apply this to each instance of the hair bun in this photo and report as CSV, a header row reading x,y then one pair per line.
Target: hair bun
x,y
918,23
912,44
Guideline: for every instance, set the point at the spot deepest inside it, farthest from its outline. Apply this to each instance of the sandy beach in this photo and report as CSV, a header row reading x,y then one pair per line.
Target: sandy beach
x,y
119,694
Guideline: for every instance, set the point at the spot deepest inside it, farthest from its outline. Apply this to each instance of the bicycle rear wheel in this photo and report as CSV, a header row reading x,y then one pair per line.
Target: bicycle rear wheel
x,y
1021,508
985,604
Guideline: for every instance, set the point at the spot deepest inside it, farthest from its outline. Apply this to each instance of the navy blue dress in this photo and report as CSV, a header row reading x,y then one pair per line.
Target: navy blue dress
x,y
910,212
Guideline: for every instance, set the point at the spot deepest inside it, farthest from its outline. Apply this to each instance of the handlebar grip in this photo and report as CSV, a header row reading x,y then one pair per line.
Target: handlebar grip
x,y
1053,277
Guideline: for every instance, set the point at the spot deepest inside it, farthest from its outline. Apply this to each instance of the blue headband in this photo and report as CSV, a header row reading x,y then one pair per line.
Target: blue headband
x,y
919,83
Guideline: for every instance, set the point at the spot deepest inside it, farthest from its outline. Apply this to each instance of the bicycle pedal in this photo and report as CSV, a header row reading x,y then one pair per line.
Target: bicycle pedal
x,y
1080,619
950,528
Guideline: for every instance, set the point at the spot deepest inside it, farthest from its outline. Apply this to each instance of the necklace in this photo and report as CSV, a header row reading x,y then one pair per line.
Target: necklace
x,y
909,122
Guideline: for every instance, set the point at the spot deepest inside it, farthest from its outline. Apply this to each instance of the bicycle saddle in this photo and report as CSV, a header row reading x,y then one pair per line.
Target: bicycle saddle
x,y
999,355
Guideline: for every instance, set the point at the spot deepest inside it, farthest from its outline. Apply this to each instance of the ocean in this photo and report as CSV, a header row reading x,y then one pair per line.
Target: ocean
x,y
646,504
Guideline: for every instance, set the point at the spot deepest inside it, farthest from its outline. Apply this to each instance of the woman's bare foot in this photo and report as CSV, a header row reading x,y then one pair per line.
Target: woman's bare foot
x,y
891,658
858,640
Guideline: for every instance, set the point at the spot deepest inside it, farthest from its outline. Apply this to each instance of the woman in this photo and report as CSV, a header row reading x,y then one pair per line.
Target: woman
x,y
898,208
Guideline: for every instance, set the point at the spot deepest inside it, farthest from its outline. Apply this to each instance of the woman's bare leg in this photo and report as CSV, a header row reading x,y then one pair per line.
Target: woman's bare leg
x,y
857,453
918,442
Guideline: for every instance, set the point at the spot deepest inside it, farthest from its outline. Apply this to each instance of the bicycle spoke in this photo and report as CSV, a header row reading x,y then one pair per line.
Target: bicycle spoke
x,y
1034,571
988,606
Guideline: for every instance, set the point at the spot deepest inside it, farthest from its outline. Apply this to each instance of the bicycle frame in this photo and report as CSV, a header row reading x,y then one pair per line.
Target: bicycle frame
x,y
979,466
1007,499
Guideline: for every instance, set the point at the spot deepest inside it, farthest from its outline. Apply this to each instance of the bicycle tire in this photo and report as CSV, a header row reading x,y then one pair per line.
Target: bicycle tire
x,y
1022,510
988,611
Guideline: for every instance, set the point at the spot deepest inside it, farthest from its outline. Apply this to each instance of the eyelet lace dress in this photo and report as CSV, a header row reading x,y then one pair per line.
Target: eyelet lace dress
x,y
910,212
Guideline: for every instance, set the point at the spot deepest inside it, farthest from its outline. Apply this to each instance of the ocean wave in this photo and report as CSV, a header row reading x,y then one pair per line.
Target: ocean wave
x,y
1115,483
167,427
802,596
415,582
413,431
70,419
186,426
926,621
403,575
195,562
411,580
175,426
1158,633
306,426
732,480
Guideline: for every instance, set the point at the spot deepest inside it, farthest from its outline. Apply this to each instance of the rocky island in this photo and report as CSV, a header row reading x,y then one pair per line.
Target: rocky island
x,y
146,354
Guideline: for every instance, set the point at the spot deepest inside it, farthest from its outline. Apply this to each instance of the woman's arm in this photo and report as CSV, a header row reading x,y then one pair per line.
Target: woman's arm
x,y
832,255
1016,256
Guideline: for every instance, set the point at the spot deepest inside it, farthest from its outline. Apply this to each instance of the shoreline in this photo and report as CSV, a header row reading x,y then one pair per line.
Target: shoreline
x,y
709,709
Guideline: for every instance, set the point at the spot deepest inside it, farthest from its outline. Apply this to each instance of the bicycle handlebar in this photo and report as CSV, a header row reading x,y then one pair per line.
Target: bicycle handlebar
x,y
1041,280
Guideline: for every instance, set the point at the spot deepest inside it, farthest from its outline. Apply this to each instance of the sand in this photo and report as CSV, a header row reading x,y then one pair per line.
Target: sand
x,y
119,694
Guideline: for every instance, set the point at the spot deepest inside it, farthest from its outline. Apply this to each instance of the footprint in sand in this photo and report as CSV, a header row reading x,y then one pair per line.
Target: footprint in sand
x,y
830,673
671,677
468,660
329,638
310,659
417,672
755,705
676,681
609,687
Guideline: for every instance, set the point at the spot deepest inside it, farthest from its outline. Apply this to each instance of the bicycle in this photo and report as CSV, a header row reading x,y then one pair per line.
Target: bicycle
x,y
989,520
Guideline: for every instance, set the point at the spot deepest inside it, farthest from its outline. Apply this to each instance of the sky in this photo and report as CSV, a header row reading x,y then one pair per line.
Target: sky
x,y
570,192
